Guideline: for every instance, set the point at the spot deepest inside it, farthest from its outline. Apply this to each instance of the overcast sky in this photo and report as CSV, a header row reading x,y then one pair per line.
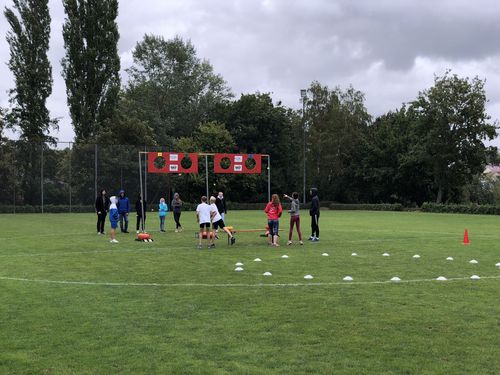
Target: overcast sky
x,y
388,49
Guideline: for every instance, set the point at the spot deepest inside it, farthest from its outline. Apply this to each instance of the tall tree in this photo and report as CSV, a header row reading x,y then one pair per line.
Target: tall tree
x,y
172,88
29,42
91,64
393,173
260,126
337,121
451,127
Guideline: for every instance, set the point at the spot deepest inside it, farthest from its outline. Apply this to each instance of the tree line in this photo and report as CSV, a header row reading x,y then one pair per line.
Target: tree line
x,y
431,149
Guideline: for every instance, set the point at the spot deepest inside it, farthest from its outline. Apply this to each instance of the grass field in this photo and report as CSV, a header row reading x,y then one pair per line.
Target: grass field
x,y
72,303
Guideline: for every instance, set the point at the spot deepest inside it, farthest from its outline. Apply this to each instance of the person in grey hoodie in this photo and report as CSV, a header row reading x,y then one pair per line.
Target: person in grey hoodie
x,y
314,212
294,216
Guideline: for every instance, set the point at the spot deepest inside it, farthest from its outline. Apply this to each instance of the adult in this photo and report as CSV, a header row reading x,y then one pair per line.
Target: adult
x,y
123,211
314,212
273,211
101,208
140,210
220,202
176,208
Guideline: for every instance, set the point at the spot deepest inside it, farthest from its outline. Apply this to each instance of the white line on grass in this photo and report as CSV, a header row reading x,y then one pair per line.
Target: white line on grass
x,y
216,285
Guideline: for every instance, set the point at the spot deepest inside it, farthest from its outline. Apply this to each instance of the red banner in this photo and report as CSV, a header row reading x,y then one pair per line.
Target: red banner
x,y
171,162
237,163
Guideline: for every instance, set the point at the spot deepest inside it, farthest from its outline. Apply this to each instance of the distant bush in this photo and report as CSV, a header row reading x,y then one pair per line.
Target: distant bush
x,y
472,208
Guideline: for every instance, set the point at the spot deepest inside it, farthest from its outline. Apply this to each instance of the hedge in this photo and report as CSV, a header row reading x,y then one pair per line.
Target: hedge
x,y
471,208
367,207
48,208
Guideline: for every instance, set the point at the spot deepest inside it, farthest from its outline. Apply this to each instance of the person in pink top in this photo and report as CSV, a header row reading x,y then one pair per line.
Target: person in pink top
x,y
273,211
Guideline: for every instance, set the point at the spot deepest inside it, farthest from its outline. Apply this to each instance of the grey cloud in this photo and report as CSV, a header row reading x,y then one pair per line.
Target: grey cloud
x,y
387,48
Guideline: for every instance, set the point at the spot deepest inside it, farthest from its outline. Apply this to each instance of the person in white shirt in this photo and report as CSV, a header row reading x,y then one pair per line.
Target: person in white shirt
x,y
218,221
204,216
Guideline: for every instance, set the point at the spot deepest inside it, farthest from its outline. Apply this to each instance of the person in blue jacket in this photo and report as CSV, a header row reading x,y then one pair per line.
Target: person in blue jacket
x,y
162,212
123,211
113,218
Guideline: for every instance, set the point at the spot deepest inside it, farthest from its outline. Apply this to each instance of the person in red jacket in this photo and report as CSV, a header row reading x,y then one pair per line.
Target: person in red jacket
x,y
273,211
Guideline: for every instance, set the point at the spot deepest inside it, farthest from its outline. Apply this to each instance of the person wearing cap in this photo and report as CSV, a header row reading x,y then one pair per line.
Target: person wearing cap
x,y
123,211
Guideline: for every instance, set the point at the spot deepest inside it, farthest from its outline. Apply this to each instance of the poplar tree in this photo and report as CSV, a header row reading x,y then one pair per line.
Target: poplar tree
x,y
28,40
91,64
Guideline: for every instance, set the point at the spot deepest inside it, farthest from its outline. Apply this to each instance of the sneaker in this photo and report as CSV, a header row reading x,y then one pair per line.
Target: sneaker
x,y
276,245
103,232
199,247
289,243
176,231
233,240
137,231
316,239
126,231
98,232
216,236
114,241
311,238
211,246
301,242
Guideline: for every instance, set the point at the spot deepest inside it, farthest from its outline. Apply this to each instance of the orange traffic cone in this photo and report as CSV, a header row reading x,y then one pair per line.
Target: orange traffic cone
x,y
466,238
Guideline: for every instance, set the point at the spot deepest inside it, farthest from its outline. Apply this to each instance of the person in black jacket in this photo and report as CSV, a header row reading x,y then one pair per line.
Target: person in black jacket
x,y
101,208
220,202
314,212
138,210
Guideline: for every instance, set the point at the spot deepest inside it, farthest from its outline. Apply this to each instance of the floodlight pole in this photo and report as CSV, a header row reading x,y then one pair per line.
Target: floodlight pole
x,y
303,96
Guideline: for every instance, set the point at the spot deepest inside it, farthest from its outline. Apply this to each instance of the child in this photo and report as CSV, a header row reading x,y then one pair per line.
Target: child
x,y
203,216
176,208
162,212
113,218
218,221
314,212
273,211
140,211
294,216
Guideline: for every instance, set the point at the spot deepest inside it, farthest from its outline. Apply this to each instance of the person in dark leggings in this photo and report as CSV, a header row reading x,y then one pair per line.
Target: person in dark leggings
x,y
314,212
101,208
138,210
176,208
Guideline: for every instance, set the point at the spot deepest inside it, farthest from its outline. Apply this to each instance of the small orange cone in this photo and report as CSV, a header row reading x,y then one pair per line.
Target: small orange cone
x,y
466,237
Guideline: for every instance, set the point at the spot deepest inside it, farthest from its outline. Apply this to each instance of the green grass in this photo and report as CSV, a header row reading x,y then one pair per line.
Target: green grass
x,y
167,308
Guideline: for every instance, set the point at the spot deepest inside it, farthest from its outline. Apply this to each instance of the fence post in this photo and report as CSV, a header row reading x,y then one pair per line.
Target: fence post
x,y
15,176
268,178
145,197
206,174
70,153
41,177
95,170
